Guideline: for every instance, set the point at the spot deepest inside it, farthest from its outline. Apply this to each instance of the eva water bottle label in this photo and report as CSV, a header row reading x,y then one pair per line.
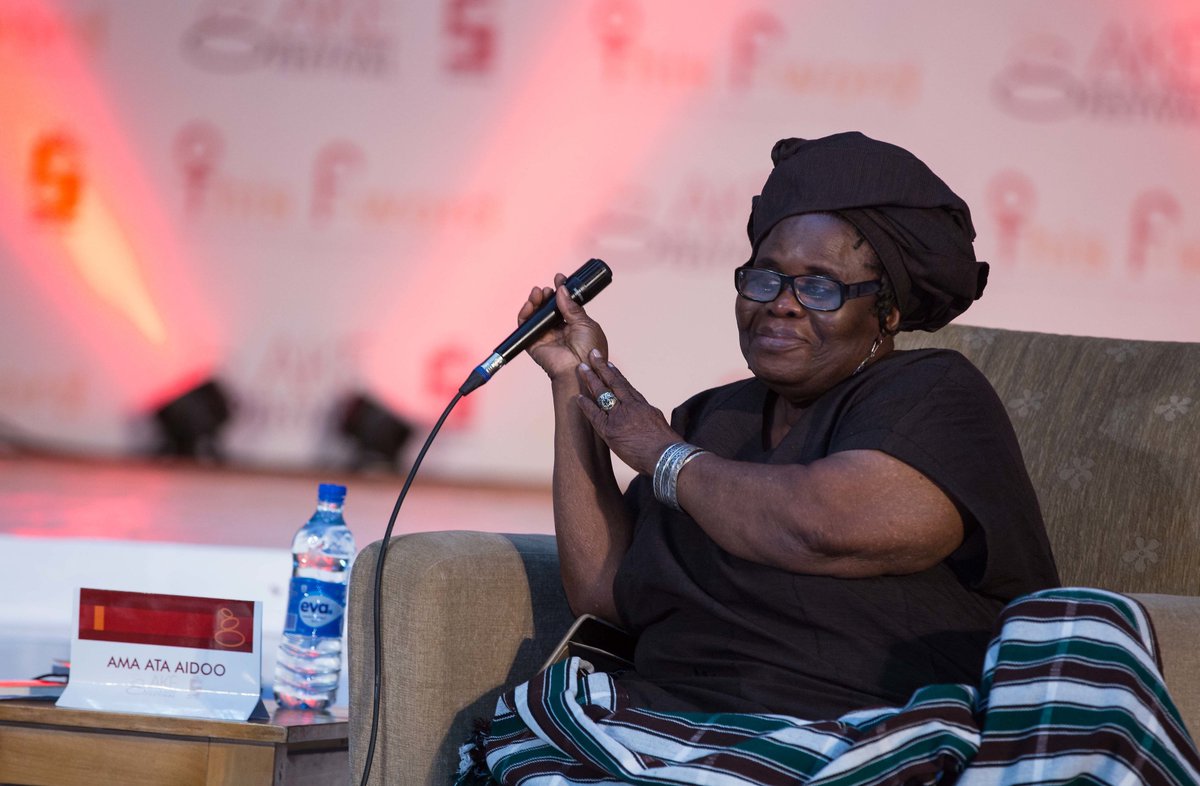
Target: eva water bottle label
x,y
315,608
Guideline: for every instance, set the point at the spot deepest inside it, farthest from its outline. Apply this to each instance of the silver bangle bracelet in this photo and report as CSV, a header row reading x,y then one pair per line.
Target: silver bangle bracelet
x,y
660,469
666,472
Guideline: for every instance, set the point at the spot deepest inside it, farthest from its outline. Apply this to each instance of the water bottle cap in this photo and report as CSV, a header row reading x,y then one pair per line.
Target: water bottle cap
x,y
331,492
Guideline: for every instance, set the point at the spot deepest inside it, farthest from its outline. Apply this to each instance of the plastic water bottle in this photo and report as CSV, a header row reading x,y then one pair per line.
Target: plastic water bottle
x,y
310,655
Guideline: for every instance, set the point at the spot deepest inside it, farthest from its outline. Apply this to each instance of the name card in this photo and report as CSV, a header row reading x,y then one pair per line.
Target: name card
x,y
166,655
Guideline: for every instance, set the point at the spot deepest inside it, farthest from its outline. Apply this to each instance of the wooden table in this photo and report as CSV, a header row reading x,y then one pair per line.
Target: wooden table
x,y
41,744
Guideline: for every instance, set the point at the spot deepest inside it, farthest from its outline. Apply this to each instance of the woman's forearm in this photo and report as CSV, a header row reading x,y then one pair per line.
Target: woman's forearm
x,y
590,519
853,514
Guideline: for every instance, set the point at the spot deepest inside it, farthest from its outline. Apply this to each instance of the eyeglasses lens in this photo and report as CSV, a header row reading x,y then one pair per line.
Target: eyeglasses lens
x,y
818,293
813,292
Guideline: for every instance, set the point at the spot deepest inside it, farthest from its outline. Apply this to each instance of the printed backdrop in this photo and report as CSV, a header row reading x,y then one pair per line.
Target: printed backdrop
x,y
309,198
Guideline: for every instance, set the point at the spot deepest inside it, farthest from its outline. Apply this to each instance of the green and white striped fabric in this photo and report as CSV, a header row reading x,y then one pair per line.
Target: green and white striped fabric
x,y
1071,693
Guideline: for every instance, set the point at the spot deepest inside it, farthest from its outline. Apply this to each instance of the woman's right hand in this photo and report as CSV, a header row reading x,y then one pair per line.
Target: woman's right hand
x,y
560,351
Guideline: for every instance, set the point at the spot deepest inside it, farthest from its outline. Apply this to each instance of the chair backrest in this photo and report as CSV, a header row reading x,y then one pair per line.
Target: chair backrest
x,y
1110,431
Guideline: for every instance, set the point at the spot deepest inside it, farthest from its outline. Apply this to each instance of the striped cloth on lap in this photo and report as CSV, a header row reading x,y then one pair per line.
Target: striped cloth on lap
x,y
1071,693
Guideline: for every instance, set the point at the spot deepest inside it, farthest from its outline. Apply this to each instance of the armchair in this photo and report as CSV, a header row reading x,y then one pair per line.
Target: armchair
x,y
1110,430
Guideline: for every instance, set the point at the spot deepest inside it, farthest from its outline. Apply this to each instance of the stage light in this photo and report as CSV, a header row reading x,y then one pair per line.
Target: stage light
x,y
190,424
378,435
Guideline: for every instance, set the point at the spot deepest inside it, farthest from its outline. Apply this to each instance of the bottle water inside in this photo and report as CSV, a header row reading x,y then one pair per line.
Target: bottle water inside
x,y
309,660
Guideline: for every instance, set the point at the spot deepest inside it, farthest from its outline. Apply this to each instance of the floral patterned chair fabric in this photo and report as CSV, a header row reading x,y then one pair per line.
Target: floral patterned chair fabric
x,y
1110,430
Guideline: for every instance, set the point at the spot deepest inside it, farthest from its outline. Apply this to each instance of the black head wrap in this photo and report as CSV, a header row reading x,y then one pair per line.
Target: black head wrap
x,y
919,228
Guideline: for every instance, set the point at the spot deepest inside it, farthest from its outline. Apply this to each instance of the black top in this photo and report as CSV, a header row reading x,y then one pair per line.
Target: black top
x,y
717,633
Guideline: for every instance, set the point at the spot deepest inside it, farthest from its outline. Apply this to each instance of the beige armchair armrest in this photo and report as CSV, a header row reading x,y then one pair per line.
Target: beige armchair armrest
x,y
463,614
1177,625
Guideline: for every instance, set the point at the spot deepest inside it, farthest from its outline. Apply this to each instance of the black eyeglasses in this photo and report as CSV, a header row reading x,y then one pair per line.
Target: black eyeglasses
x,y
818,293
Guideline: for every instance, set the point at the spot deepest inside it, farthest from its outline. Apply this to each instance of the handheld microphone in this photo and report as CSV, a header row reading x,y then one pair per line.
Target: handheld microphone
x,y
582,285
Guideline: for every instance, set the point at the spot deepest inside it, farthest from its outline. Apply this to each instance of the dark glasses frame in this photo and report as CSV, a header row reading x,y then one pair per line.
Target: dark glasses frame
x,y
845,291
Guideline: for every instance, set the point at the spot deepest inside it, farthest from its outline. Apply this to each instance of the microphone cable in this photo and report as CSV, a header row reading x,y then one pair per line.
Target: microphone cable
x,y
582,285
377,593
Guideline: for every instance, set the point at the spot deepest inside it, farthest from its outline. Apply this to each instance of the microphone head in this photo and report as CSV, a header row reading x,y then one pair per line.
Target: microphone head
x,y
586,282
583,285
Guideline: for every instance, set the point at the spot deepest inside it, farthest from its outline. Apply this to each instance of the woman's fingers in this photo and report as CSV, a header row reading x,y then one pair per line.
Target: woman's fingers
x,y
559,350
631,427
589,388
530,305
596,416
537,296
612,379
598,376
572,312
591,384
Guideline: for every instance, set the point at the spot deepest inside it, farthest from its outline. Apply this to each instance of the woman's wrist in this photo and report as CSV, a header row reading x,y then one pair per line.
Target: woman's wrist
x,y
666,471
564,385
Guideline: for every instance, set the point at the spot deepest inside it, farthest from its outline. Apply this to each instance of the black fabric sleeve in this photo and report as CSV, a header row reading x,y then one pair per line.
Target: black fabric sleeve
x,y
938,414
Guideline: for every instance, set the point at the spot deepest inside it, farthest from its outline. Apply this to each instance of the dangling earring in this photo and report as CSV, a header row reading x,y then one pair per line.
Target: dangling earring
x,y
874,348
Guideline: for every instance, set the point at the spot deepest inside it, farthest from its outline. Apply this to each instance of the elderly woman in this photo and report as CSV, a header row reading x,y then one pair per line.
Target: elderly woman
x,y
840,531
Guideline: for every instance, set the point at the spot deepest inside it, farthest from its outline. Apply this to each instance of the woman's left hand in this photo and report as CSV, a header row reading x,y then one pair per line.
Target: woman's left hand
x,y
633,429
